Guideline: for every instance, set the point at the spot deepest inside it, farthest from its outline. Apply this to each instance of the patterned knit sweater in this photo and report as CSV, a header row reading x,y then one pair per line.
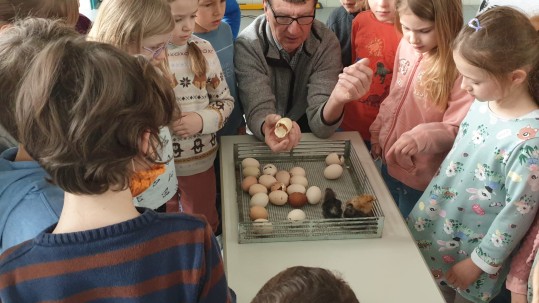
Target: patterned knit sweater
x,y
209,97
151,258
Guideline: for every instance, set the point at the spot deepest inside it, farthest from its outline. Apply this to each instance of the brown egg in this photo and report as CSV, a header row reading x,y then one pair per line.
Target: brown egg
x,y
247,182
258,212
297,200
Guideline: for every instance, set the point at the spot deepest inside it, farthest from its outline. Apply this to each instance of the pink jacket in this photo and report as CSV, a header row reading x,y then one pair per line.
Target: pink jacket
x,y
517,280
405,112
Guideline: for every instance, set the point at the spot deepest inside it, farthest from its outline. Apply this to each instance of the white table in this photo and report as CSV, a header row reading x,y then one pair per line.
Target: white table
x,y
384,270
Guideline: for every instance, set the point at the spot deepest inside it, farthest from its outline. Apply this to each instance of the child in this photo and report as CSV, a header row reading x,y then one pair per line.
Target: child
x,y
373,36
233,16
29,203
527,6
477,209
204,97
340,22
418,121
301,284
96,140
147,32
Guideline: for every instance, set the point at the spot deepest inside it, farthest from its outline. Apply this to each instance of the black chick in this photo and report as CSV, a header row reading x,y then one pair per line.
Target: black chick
x,y
359,206
331,207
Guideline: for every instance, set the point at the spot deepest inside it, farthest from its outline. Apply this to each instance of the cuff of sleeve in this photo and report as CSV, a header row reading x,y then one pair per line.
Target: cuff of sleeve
x,y
516,285
489,269
209,122
324,120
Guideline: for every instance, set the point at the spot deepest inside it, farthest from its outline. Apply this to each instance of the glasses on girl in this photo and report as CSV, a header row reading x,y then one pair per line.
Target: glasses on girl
x,y
157,51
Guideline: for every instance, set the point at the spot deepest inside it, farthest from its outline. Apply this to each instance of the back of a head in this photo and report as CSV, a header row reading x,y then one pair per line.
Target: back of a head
x,y
501,33
301,284
124,23
19,44
13,10
84,110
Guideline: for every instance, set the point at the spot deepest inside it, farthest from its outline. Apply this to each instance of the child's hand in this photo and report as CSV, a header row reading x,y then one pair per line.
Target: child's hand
x,y
354,82
463,274
189,124
276,144
403,150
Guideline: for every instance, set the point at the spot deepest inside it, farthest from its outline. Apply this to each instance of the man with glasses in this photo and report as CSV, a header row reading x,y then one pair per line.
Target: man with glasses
x,y
288,64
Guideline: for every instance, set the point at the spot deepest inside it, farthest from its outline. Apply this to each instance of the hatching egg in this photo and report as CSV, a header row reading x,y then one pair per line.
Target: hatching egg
x,y
247,182
334,158
296,215
333,171
269,169
258,212
314,195
267,180
297,171
259,199
297,200
277,186
278,197
249,162
299,180
257,188
283,176
251,171
262,227
295,188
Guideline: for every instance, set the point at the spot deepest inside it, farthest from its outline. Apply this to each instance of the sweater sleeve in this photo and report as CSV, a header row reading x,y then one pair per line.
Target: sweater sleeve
x,y
221,102
514,220
213,288
517,280
438,137
254,83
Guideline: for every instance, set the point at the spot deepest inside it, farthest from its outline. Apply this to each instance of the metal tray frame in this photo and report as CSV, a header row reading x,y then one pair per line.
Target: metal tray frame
x,y
311,156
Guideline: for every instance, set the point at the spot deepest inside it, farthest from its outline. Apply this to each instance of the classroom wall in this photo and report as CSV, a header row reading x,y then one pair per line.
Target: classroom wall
x,y
335,3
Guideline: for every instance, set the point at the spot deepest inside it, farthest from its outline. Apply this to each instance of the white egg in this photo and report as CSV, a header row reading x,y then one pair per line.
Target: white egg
x,y
334,158
299,180
267,180
296,215
295,188
278,197
332,172
249,162
259,199
297,171
251,171
262,227
269,169
257,188
314,195
283,176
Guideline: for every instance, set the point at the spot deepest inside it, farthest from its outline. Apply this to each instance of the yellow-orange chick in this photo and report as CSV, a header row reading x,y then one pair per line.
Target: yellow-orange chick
x,y
359,206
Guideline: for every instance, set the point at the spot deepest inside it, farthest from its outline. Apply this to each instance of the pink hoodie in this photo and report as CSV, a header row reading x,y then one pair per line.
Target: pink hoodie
x,y
405,112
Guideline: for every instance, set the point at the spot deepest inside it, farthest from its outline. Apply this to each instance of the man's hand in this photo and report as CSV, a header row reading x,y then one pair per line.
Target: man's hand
x,y
276,144
189,124
463,274
354,82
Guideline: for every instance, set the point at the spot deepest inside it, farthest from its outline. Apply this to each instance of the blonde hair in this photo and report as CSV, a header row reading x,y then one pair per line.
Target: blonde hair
x,y
440,71
197,61
124,23
12,10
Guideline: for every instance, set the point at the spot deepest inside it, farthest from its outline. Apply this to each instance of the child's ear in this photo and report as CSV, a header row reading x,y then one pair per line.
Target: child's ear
x,y
144,143
519,76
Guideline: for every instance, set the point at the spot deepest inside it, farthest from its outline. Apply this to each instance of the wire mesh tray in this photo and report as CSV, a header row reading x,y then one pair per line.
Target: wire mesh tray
x,y
311,156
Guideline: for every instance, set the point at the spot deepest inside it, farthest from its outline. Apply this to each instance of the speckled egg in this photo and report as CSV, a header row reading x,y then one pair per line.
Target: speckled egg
x,y
299,180
267,180
314,195
259,199
283,176
278,197
249,162
257,188
247,182
295,188
297,171
269,169
333,171
334,158
251,171
258,212
296,215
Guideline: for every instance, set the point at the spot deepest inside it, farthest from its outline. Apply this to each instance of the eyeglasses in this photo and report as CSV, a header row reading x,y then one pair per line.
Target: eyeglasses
x,y
287,20
156,52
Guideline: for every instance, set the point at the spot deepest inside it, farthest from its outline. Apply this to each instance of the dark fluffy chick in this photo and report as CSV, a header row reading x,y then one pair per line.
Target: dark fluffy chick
x,y
331,207
359,206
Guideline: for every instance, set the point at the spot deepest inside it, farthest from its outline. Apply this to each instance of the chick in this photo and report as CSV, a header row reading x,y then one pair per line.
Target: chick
x,y
331,207
359,206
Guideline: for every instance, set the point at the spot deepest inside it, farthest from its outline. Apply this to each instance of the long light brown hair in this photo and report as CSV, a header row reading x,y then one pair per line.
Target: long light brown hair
x,y
12,10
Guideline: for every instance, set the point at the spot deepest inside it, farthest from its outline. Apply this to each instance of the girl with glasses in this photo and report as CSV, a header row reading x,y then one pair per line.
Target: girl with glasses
x,y
145,33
